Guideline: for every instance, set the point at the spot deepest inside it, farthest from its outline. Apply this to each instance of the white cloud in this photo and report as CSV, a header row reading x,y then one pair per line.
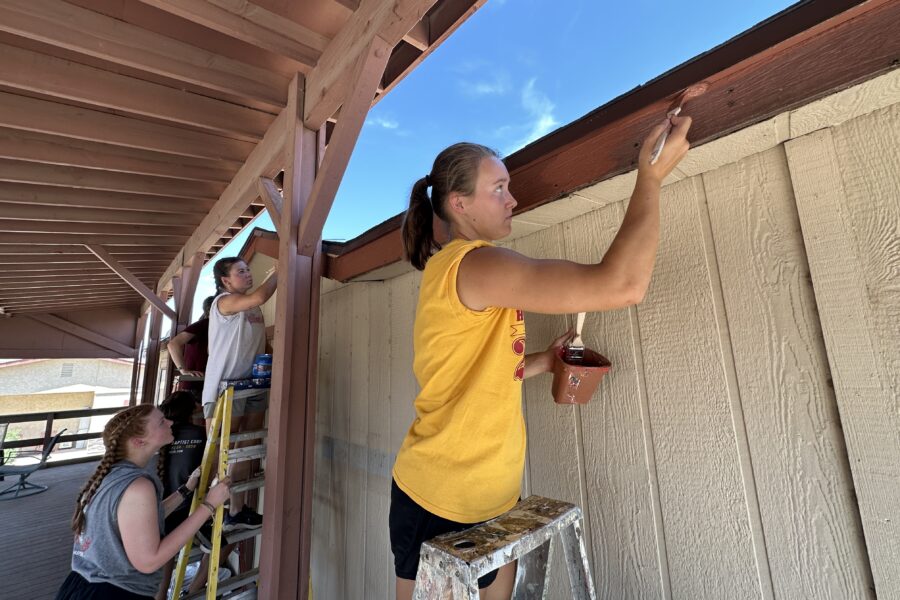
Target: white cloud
x,y
539,109
497,85
383,122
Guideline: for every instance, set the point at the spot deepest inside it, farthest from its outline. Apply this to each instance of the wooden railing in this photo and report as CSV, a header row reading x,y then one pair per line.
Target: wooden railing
x,y
51,416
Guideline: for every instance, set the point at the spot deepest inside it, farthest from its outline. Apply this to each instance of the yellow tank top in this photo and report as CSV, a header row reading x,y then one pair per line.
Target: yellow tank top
x,y
463,456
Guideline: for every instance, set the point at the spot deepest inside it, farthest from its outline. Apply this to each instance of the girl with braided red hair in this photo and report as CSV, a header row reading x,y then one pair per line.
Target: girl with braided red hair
x,y
118,522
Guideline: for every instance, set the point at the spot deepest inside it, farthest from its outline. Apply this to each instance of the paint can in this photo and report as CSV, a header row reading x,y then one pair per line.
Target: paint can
x,y
575,383
262,366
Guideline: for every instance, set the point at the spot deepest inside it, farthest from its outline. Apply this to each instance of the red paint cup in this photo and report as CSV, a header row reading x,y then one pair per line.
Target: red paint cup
x,y
575,383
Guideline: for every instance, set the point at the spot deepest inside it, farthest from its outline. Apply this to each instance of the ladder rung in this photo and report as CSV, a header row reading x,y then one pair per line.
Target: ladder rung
x,y
245,435
245,595
234,537
246,453
232,583
249,435
249,484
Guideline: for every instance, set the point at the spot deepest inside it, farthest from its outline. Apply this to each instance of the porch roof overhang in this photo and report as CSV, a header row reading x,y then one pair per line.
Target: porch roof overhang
x,y
132,132
808,51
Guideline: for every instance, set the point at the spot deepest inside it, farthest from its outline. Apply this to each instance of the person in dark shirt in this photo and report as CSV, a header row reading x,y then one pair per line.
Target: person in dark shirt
x,y
181,460
190,350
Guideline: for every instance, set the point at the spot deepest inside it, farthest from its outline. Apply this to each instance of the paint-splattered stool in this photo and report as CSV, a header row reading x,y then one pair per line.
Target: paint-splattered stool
x,y
526,533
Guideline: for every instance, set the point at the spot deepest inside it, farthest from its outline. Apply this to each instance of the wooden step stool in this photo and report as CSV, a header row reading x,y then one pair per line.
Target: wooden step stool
x,y
526,533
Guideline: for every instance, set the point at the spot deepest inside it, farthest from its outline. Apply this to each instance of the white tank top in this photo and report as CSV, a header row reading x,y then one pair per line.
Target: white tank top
x,y
234,341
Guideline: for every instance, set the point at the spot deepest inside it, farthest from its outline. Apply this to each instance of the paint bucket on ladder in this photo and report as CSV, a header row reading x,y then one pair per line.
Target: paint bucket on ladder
x,y
574,382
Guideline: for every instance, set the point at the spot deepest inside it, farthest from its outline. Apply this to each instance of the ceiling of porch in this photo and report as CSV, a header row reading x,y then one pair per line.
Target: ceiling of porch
x,y
124,122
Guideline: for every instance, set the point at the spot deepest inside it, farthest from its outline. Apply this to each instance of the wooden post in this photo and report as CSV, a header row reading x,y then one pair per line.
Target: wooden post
x,y
284,555
138,351
151,367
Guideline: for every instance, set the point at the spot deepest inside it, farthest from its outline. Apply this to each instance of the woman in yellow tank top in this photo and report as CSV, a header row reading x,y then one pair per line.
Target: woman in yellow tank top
x,y
462,459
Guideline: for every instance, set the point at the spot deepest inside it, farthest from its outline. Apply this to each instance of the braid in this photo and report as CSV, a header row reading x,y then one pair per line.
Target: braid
x,y
161,462
125,425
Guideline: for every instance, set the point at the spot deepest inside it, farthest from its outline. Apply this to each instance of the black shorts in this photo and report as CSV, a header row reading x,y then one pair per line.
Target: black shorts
x,y
410,525
76,587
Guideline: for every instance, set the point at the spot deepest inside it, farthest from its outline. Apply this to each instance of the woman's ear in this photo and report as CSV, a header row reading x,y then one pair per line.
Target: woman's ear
x,y
456,204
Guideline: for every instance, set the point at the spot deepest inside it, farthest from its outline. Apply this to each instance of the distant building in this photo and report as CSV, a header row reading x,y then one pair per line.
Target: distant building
x,y
42,385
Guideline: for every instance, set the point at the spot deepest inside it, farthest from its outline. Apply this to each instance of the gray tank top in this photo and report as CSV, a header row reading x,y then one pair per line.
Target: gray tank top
x,y
98,555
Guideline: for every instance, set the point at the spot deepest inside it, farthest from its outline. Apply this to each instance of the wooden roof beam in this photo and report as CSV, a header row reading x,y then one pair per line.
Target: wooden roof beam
x,y
9,270
66,280
119,238
363,80
253,24
89,294
33,114
84,333
105,286
27,193
94,215
15,171
15,226
84,31
329,83
48,149
133,281
63,259
64,250
52,307
27,70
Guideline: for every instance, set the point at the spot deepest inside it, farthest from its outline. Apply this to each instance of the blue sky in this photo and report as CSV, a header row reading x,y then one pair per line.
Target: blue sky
x,y
513,72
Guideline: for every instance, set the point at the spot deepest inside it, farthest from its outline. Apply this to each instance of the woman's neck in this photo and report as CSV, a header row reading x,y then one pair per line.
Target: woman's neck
x,y
140,457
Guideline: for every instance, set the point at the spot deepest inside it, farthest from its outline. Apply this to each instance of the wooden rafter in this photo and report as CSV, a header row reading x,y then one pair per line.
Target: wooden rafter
x,y
27,70
62,196
32,114
14,236
75,250
97,215
43,148
10,225
251,23
29,172
133,281
68,26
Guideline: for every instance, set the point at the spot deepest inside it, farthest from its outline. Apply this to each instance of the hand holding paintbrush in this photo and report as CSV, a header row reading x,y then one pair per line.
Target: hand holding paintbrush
x,y
691,92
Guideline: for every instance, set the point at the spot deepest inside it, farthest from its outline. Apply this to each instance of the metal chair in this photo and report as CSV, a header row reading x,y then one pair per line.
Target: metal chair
x,y
23,487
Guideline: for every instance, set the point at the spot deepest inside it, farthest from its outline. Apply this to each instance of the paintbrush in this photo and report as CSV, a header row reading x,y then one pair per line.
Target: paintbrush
x,y
692,92
575,349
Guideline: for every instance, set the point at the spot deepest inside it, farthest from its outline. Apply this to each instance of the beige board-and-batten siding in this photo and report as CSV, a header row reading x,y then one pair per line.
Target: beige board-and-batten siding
x,y
754,394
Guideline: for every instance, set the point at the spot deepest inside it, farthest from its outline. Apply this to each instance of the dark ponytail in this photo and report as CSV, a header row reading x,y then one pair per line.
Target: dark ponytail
x,y
455,170
221,269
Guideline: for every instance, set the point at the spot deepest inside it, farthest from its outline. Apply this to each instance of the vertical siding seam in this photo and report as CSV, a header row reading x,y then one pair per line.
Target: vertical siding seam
x,y
754,513
662,551
582,482
579,444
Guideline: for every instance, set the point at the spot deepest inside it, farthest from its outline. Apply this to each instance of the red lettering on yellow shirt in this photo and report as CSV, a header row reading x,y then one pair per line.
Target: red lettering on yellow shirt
x,y
518,345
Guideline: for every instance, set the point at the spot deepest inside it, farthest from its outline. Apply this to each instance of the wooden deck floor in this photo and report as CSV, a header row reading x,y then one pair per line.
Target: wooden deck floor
x,y
35,534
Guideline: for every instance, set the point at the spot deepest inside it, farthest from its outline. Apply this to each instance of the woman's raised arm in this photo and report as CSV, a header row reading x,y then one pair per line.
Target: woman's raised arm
x,y
494,276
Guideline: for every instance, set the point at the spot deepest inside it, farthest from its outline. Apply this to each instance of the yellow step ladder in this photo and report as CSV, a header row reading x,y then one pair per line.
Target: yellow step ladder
x,y
217,456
